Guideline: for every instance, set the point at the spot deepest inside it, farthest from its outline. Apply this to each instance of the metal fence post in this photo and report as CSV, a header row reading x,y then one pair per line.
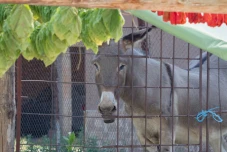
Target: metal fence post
x,y
18,96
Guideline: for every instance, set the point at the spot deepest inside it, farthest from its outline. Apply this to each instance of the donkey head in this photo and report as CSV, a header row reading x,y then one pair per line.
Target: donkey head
x,y
110,75
112,68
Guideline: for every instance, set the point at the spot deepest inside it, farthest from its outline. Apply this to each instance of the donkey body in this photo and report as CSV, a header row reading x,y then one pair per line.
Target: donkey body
x,y
152,88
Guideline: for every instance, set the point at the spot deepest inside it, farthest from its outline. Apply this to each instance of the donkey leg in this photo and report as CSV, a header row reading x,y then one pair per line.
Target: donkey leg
x,y
224,143
217,146
166,140
166,136
142,139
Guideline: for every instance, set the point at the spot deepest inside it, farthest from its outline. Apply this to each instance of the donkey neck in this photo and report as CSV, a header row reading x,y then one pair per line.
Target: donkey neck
x,y
144,73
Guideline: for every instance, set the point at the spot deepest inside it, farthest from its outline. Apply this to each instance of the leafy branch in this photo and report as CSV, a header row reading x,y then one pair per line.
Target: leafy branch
x,y
44,32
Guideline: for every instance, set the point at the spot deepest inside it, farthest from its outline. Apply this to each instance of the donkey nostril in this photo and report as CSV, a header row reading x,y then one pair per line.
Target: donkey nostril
x,y
106,110
114,109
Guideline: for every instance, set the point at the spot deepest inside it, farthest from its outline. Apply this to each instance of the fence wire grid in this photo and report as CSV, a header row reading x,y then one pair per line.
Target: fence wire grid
x,y
63,98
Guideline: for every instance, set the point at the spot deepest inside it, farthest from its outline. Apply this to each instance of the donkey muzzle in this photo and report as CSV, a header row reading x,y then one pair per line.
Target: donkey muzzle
x,y
107,106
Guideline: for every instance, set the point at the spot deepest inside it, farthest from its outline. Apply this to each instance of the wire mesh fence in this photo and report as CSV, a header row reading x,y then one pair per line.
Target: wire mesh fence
x,y
63,98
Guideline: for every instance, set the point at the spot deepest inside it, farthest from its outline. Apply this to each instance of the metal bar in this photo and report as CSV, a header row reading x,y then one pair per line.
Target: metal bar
x,y
85,104
146,50
219,100
143,56
138,56
173,91
118,98
188,102
19,92
148,116
52,101
55,104
57,118
207,100
161,62
157,87
120,146
217,68
132,93
200,100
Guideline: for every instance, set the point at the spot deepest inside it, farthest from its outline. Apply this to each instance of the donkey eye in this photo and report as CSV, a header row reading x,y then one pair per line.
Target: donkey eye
x,y
121,67
96,66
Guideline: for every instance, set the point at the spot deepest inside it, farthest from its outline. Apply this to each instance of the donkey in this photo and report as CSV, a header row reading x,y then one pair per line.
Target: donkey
x,y
167,95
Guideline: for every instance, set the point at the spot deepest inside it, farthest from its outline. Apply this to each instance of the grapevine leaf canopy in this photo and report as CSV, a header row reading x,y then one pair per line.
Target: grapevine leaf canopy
x,y
44,32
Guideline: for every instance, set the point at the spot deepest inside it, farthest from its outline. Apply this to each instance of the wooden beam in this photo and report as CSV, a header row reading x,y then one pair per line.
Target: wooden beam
x,y
212,6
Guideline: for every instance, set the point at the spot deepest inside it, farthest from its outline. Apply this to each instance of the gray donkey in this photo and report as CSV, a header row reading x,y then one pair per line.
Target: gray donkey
x,y
160,92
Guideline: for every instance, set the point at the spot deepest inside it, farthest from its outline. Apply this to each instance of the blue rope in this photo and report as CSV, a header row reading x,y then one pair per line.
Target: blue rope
x,y
203,114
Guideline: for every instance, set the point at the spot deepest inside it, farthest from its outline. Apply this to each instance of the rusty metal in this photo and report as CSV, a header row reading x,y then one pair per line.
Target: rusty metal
x,y
141,56
85,107
106,85
188,98
52,97
207,100
147,52
132,145
148,116
174,38
118,63
161,62
120,146
52,81
200,100
219,100
18,96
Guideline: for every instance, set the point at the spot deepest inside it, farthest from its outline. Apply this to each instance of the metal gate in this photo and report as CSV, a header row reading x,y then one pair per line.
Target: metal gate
x,y
63,98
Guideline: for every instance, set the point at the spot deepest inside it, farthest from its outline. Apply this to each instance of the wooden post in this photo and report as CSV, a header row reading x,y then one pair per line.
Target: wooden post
x,y
65,92
212,6
7,111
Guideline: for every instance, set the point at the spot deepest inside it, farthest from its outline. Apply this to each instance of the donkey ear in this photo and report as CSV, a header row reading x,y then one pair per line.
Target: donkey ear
x,y
134,39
